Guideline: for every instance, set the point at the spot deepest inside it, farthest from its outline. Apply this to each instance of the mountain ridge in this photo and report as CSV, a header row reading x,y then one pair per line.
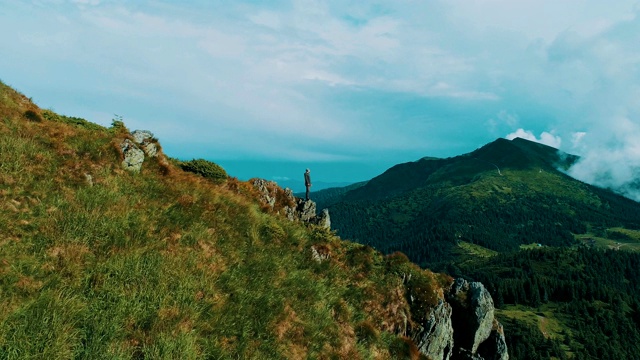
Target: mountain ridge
x,y
505,179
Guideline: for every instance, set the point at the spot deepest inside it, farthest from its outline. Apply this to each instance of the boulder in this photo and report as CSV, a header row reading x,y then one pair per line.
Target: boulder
x,y
495,347
434,338
473,315
133,156
151,149
142,136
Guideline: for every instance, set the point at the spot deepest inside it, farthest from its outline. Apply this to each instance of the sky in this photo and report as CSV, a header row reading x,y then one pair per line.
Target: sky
x,y
346,88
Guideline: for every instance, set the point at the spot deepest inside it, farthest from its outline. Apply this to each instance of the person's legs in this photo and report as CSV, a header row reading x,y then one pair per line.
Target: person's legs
x,y
307,193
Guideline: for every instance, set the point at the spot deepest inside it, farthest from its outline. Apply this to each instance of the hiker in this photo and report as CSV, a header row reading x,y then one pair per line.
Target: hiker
x,y
307,181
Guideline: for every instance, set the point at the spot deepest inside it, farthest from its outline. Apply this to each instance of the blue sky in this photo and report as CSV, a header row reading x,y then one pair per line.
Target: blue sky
x,y
347,88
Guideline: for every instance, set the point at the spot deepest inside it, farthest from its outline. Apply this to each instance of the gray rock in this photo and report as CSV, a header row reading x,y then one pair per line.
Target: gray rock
x,y
88,179
473,313
323,220
150,149
435,337
142,136
483,313
320,253
495,347
133,156
306,210
266,196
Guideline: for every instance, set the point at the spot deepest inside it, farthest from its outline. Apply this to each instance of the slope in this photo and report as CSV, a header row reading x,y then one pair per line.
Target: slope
x,y
100,262
501,196
569,295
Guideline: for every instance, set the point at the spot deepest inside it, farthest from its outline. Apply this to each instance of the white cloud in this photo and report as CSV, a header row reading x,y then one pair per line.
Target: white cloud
x,y
611,158
336,80
546,138
576,138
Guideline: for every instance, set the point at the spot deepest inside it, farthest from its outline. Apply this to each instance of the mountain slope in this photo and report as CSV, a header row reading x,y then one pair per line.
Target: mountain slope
x,y
101,262
501,196
550,249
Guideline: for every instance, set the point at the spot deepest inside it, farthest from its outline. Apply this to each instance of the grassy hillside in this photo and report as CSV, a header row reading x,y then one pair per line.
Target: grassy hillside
x,y
98,262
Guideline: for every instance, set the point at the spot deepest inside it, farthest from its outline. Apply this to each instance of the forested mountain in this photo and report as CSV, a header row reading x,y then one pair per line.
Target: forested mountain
x,y
501,196
551,249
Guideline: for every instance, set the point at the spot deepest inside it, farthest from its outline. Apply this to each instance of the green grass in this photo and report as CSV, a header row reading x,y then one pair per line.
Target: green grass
x,y
165,264
476,250
630,242
530,246
545,318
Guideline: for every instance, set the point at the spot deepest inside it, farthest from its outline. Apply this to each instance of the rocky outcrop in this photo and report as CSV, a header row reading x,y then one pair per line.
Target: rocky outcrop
x,y
144,138
323,220
495,347
133,156
462,326
474,322
134,151
305,211
267,191
320,253
434,338
298,210
473,313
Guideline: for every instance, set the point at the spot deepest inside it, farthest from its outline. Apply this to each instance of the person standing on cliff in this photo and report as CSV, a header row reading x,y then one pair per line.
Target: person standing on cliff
x,y
307,181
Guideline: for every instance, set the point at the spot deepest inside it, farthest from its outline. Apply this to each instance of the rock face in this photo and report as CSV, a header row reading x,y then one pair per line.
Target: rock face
x,y
474,322
473,313
324,220
495,347
462,326
306,209
435,337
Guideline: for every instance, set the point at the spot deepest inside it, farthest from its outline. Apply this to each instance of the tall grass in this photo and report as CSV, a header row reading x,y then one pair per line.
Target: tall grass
x,y
165,264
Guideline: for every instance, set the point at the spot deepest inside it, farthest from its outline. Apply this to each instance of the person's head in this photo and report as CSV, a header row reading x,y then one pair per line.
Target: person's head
x,y
308,170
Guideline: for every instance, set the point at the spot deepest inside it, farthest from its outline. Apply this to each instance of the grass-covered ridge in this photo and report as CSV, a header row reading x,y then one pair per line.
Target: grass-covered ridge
x,y
169,264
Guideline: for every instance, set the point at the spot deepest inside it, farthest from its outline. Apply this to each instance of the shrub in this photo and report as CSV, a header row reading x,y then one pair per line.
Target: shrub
x,y
206,169
366,332
361,257
405,348
32,116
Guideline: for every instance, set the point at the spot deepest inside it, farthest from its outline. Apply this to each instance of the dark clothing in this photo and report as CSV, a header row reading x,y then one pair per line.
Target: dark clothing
x,y
307,183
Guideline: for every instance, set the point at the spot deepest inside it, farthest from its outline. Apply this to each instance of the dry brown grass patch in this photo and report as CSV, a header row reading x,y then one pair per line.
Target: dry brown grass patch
x,y
28,285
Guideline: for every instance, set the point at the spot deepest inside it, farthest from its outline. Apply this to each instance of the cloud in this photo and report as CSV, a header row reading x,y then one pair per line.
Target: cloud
x,y
546,138
611,158
334,80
